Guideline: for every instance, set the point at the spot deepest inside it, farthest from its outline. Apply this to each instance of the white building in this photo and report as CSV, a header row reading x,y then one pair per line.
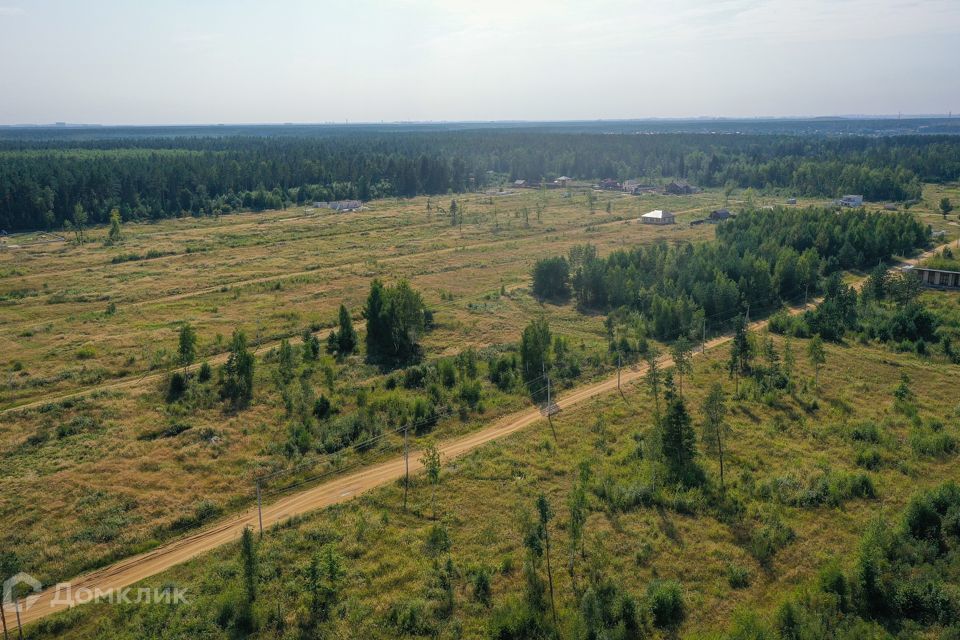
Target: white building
x,y
658,216
851,201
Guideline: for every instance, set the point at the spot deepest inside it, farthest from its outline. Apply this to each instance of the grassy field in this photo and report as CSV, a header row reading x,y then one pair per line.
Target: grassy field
x,y
118,469
94,463
778,449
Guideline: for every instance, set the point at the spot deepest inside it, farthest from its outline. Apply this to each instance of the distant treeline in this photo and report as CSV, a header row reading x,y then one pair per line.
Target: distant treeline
x,y
760,259
41,180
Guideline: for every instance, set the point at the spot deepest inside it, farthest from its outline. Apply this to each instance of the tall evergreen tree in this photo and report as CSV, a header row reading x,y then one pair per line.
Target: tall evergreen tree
x,y
677,439
346,335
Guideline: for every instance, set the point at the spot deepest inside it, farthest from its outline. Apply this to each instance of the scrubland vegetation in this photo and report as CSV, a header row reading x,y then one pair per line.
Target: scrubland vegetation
x,y
794,481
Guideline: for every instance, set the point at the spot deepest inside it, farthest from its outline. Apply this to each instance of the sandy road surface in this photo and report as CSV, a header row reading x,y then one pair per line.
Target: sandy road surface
x,y
340,489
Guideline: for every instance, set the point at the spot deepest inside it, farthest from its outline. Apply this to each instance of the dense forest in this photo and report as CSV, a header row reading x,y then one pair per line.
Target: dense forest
x,y
760,260
42,179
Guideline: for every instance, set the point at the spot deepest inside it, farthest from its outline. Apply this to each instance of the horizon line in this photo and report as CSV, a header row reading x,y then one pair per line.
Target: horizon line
x,y
347,123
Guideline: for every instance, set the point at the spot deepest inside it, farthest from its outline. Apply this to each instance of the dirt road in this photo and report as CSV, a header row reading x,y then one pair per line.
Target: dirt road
x,y
339,489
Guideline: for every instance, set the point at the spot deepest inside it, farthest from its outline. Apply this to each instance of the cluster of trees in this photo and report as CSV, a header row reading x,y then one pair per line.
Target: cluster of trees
x,y
887,310
236,376
43,179
760,260
899,580
396,317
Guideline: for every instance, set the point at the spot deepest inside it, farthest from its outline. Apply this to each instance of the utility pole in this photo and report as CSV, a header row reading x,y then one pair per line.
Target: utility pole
x,y
550,406
406,464
3,618
16,607
259,508
619,364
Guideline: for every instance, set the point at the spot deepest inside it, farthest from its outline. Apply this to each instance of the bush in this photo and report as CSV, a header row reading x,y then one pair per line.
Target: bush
x,y
932,444
415,377
768,538
86,353
447,373
481,587
470,392
865,432
665,601
410,617
438,540
176,387
738,577
205,372
869,458
204,511
322,408
784,323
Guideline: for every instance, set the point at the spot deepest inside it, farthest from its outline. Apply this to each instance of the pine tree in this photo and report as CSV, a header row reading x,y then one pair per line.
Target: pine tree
x,y
115,234
285,362
346,336
237,382
714,411
187,348
818,357
248,554
545,514
681,359
431,465
653,378
677,438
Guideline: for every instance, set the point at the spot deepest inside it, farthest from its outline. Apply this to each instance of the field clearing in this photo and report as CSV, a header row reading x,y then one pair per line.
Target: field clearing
x,y
481,498
64,337
90,463
103,467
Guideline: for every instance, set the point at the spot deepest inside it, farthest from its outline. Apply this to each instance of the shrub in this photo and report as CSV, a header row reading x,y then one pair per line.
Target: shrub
x,y
176,387
869,458
865,432
470,392
768,538
322,408
438,540
410,617
415,377
481,587
665,601
447,373
205,372
738,577
932,444
86,353
783,323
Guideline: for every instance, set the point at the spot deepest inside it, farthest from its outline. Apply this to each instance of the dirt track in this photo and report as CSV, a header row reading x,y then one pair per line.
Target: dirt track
x,y
339,489
136,568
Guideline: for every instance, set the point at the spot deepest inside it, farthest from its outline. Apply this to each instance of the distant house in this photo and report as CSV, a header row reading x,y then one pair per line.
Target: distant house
x,y
609,184
679,188
851,201
791,201
519,183
340,205
719,214
658,216
938,278
630,185
563,181
890,206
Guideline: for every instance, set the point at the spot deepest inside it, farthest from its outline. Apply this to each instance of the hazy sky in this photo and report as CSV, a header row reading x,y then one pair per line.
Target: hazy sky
x,y
206,61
